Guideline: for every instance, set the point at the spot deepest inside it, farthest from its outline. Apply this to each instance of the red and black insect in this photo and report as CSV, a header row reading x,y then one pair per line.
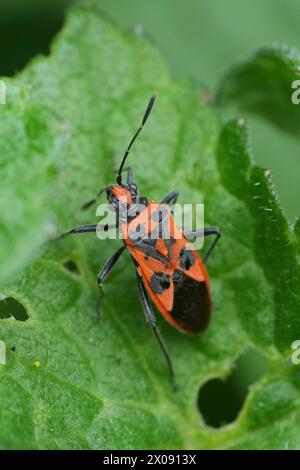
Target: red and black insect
x,y
168,268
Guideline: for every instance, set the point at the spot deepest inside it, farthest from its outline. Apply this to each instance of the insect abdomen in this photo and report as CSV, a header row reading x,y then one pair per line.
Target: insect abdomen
x,y
191,305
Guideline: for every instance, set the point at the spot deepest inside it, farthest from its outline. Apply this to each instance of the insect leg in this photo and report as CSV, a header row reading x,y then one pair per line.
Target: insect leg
x,y
211,231
103,275
170,198
152,323
85,229
205,232
92,201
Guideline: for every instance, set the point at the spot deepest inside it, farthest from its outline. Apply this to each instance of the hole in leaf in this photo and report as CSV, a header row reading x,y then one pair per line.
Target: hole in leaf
x,y
12,308
71,266
220,401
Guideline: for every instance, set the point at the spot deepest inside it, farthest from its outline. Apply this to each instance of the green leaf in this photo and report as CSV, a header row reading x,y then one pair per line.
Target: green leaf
x,y
263,85
70,382
30,140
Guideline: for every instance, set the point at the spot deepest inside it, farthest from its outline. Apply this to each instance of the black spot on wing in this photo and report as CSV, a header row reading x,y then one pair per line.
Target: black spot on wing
x,y
149,249
186,259
160,282
191,306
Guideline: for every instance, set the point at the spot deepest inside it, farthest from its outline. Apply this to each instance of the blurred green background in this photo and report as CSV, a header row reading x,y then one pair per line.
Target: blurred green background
x,y
200,39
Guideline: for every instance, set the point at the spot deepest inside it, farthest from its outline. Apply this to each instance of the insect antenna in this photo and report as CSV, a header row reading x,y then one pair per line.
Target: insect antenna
x,y
146,115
